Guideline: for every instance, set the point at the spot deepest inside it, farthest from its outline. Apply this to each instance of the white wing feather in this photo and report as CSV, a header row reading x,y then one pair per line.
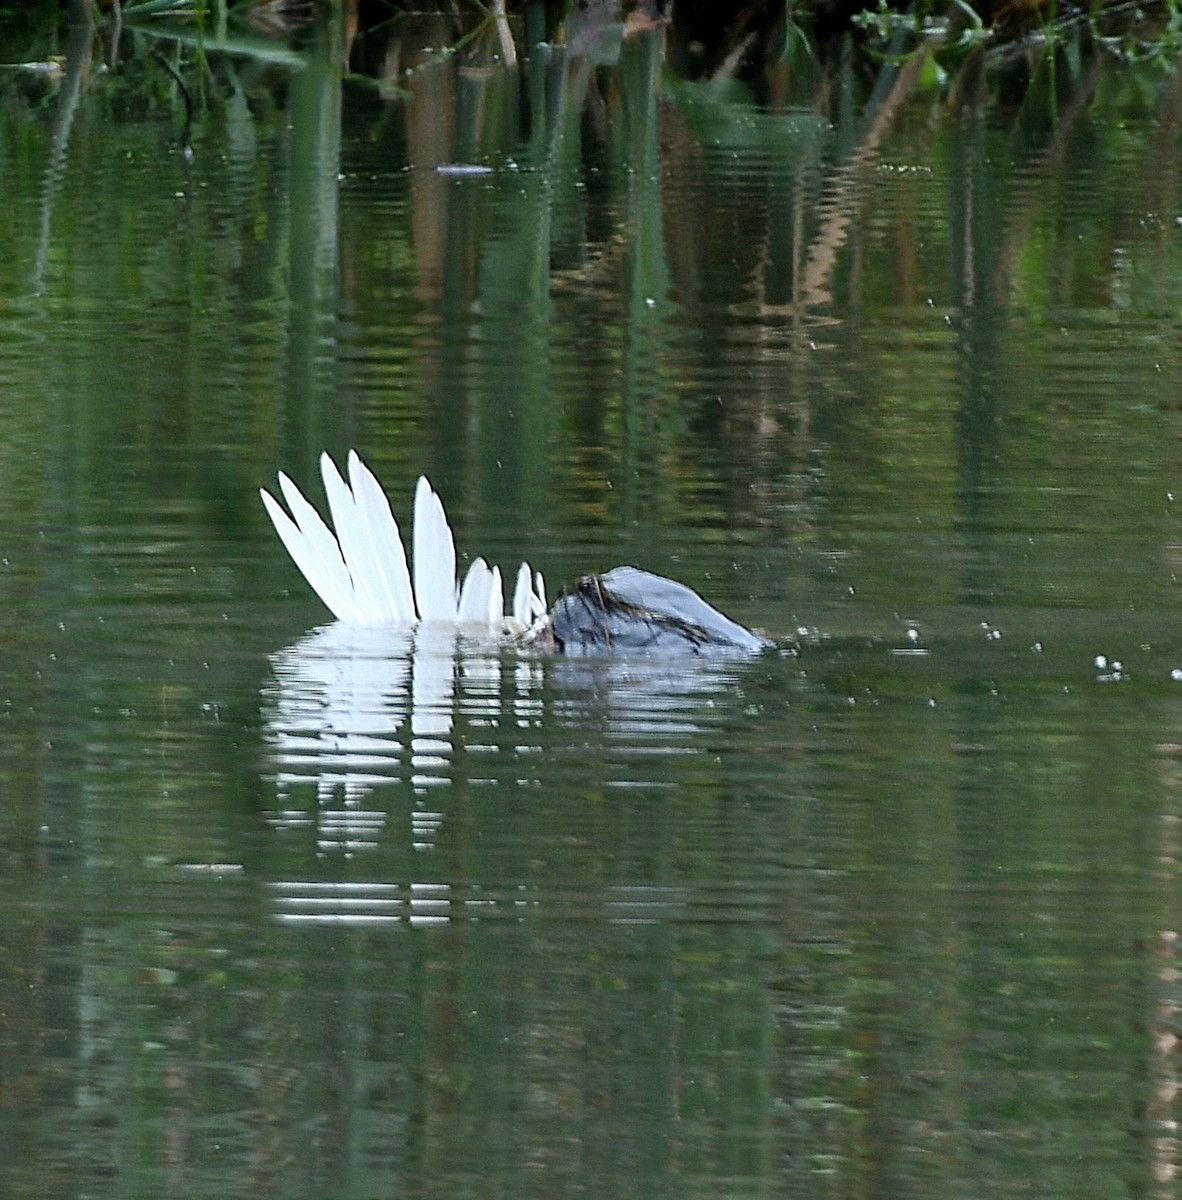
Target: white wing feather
x,y
356,546
474,594
529,596
314,550
495,613
435,558
389,554
360,572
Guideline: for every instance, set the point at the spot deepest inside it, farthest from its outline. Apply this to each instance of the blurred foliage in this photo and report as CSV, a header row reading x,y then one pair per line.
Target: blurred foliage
x,y
707,38
1130,32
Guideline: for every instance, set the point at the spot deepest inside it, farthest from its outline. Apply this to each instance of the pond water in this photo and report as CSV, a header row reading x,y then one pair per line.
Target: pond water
x,y
295,910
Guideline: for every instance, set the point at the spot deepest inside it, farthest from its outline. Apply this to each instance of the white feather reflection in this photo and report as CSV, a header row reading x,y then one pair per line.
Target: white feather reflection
x,y
432,701
300,902
364,724
333,713
355,714
423,905
352,708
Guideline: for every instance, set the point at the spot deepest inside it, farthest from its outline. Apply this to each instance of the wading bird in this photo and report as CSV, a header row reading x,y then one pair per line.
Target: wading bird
x,y
360,571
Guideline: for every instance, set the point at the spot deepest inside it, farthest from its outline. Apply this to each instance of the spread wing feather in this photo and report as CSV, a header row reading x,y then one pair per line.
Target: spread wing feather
x,y
529,596
476,594
386,557
435,557
314,550
360,570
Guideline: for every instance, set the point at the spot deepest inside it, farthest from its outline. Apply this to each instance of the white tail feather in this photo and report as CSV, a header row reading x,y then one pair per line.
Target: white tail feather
x,y
360,572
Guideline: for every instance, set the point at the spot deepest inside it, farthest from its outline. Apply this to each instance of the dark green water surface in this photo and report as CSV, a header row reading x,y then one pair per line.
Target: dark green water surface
x,y
292,911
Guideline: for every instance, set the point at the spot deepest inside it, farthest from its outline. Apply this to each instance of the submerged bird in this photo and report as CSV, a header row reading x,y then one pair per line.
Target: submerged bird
x,y
360,572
